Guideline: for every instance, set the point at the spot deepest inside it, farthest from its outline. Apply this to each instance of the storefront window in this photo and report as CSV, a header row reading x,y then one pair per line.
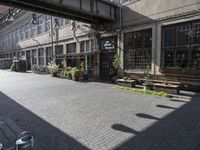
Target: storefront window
x,y
181,45
138,50
48,55
41,56
71,48
34,57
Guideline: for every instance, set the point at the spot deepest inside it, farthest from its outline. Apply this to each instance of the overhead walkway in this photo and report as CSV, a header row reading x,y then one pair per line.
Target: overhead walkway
x,y
91,11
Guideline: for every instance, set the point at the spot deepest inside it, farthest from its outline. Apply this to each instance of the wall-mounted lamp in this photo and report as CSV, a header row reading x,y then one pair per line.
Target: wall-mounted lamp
x,y
10,16
34,19
56,25
73,27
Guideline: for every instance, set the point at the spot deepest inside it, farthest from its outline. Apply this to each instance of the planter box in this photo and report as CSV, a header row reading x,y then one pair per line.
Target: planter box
x,y
126,83
171,89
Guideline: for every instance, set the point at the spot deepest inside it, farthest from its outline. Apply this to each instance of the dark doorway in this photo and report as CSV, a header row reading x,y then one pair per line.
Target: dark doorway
x,y
108,51
28,59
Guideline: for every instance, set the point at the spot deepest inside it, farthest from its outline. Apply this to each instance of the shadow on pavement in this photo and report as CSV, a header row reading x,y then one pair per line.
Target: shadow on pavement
x,y
167,107
46,136
146,116
124,128
179,130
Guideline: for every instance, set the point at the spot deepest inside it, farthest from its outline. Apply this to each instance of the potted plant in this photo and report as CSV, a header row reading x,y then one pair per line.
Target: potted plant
x,y
118,72
13,67
68,75
75,72
54,69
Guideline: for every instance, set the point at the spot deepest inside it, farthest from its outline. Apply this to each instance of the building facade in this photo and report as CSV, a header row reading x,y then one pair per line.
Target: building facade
x,y
156,35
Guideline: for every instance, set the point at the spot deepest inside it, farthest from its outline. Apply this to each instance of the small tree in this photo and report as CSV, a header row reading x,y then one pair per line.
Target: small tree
x,y
116,61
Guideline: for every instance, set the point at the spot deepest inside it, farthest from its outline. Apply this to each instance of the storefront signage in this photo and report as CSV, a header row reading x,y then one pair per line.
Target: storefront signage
x,y
109,45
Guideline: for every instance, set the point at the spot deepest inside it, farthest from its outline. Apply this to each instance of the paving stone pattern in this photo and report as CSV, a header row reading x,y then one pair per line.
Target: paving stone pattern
x,y
63,115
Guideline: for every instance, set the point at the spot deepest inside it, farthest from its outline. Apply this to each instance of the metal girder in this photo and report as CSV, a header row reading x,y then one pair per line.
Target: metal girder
x,y
90,11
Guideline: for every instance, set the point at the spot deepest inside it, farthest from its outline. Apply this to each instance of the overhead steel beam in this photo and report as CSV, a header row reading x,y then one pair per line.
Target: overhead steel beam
x,y
90,11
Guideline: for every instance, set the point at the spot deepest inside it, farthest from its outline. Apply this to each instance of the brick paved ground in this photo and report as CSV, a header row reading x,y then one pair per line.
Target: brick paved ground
x,y
63,115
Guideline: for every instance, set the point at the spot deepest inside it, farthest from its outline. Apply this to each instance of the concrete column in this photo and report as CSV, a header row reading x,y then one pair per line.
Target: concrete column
x,y
97,61
154,51
45,57
86,63
158,50
65,54
78,51
120,49
31,58
53,39
37,54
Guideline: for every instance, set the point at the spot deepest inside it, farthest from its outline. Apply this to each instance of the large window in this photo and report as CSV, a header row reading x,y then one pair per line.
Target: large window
x,y
39,26
86,46
59,55
41,56
34,57
137,50
48,55
13,37
71,48
47,23
33,30
61,22
22,33
59,50
26,30
67,21
181,45
16,36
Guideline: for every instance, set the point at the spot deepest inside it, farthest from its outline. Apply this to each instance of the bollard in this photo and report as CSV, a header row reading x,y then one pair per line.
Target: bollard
x,y
25,141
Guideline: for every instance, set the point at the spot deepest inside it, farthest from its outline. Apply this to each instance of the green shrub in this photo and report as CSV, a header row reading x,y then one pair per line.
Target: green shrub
x,y
116,61
75,72
53,68
13,67
162,94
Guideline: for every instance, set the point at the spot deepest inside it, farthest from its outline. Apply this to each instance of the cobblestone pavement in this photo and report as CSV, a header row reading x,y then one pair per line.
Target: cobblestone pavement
x,y
63,114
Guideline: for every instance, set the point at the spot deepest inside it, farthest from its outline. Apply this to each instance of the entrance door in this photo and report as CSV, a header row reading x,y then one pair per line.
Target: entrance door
x,y
108,51
28,59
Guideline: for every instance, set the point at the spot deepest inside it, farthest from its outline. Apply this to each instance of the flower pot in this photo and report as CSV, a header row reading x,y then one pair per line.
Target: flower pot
x,y
85,76
69,76
75,78
54,74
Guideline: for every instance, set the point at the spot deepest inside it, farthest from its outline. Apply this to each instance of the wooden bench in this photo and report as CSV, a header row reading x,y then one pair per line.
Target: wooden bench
x,y
126,83
168,88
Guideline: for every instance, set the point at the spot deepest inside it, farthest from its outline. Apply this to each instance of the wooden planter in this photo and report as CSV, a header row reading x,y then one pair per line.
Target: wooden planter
x,y
126,83
171,89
